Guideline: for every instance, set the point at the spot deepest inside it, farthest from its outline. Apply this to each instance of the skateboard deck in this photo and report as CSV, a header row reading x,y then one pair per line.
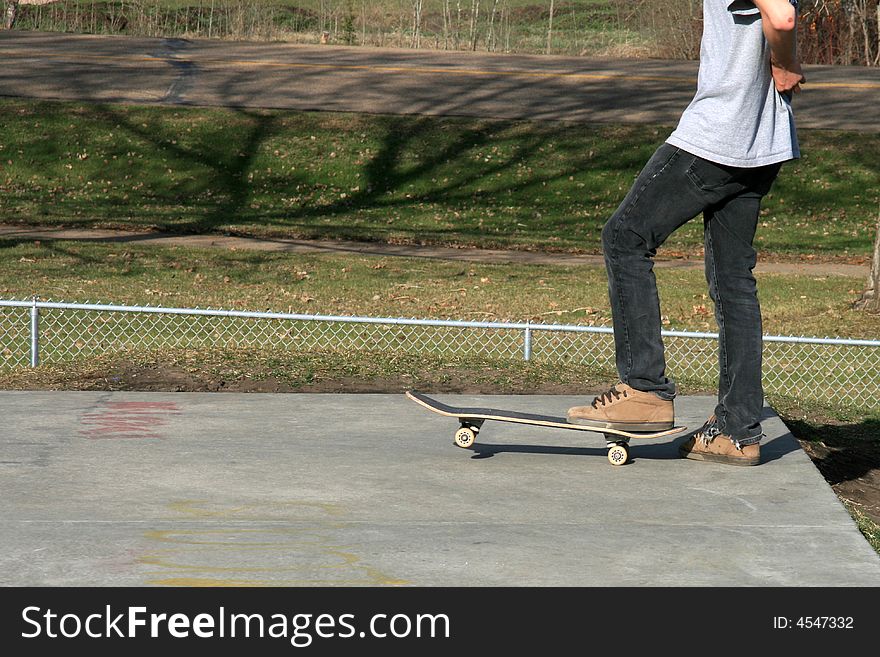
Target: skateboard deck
x,y
472,419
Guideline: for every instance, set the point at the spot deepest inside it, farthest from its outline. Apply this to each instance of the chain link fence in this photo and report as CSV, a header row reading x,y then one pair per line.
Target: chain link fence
x,y
830,371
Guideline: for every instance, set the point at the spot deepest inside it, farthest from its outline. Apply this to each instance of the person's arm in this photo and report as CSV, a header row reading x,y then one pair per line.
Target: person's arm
x,y
779,19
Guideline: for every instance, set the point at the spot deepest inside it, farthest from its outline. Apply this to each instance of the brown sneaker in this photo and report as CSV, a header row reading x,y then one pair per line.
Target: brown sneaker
x,y
625,409
708,444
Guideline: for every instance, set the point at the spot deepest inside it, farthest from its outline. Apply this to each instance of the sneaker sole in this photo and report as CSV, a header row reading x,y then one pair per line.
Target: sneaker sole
x,y
719,458
646,427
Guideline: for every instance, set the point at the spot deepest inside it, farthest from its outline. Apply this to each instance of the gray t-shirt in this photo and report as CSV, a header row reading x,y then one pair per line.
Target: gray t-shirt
x,y
737,117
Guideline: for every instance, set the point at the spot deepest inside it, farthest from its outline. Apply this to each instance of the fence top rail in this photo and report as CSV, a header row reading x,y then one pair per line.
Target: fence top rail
x,y
400,321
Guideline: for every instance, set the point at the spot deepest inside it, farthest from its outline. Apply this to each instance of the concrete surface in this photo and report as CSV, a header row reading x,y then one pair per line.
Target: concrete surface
x,y
320,489
373,80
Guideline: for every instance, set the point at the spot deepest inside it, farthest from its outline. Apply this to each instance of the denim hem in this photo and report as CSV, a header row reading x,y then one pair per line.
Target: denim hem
x,y
748,440
662,394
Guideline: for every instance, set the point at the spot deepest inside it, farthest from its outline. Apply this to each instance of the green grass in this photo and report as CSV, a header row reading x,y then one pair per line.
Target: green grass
x,y
397,179
346,284
137,273
869,528
290,370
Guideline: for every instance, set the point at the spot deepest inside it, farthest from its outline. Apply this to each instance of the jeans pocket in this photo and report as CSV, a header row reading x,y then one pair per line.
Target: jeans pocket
x,y
709,176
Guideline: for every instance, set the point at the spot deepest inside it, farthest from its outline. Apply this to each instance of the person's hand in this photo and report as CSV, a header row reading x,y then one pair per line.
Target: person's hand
x,y
788,79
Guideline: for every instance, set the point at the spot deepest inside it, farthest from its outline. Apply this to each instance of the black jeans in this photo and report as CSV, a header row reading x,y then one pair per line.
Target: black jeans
x,y
673,188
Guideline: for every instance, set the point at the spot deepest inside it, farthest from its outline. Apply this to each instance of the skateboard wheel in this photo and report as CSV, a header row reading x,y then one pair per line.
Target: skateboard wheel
x,y
465,437
618,455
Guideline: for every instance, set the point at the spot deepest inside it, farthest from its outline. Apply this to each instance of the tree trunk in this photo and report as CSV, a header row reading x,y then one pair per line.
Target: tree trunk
x,y
445,24
490,39
550,29
11,13
417,24
475,19
877,61
870,299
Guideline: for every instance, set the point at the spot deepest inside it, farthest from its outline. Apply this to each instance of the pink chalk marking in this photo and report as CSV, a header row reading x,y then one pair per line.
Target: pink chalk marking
x,y
128,420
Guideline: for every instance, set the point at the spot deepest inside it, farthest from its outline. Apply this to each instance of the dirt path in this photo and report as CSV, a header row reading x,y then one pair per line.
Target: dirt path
x,y
857,268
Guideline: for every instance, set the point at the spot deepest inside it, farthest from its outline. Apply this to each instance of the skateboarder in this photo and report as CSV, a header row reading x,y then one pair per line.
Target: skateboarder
x,y
720,161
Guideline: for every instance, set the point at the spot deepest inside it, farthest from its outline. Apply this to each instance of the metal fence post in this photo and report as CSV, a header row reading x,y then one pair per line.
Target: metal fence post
x,y
527,346
35,334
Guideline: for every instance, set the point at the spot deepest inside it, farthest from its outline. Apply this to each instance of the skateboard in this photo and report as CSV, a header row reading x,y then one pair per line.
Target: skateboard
x,y
472,419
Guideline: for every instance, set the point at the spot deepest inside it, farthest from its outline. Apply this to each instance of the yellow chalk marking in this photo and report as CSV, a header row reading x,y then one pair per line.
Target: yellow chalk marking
x,y
306,540
182,537
153,560
206,509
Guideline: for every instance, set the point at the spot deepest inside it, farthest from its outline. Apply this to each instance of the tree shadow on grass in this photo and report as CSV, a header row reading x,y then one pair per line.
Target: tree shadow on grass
x,y
422,166
386,176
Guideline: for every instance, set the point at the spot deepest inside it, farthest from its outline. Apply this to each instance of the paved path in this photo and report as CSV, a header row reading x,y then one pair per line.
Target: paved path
x,y
273,75
302,489
489,256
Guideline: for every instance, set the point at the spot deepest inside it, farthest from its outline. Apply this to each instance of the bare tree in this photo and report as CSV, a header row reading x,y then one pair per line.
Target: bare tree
x,y
506,11
840,32
859,17
550,28
417,24
445,24
458,25
870,299
11,13
490,39
475,17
